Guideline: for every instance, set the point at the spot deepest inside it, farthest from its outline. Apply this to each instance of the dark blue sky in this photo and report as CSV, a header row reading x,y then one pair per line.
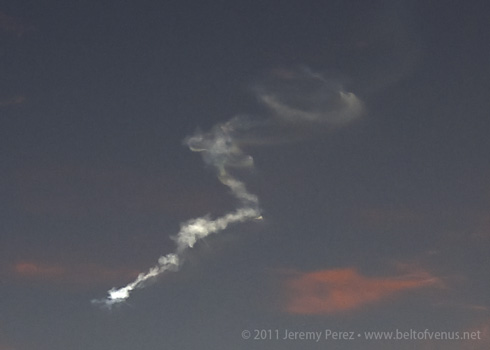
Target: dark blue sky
x,y
374,220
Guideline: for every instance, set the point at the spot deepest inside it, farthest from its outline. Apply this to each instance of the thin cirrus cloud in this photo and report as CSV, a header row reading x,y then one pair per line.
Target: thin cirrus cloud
x,y
35,270
4,343
480,339
12,101
382,217
77,191
12,25
82,275
482,229
345,289
6,347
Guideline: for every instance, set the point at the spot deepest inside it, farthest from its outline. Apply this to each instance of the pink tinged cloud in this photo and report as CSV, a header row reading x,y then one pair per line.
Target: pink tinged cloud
x,y
12,25
341,290
81,275
11,101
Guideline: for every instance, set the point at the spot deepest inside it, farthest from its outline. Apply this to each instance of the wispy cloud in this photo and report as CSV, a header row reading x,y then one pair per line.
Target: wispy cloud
x,y
479,339
345,289
36,270
77,191
299,104
15,100
79,275
484,329
301,96
6,347
12,25
463,306
386,217
4,343
482,229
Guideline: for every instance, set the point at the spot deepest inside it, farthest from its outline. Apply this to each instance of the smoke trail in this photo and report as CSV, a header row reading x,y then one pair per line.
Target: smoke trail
x,y
218,149
304,97
295,98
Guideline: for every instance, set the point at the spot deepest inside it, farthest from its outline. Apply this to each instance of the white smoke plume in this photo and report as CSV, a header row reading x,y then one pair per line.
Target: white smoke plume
x,y
305,97
295,98
219,150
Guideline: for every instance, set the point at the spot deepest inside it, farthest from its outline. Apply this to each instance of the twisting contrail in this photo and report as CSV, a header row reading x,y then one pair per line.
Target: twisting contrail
x,y
220,151
296,99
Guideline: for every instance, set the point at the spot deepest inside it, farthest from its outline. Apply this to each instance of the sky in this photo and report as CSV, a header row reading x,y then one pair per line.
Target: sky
x,y
355,133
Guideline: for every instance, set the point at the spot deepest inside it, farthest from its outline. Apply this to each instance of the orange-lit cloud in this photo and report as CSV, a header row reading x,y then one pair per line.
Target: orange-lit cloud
x,y
339,290
12,25
33,270
15,100
482,230
484,329
79,191
84,275
5,344
381,217
6,347
479,339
